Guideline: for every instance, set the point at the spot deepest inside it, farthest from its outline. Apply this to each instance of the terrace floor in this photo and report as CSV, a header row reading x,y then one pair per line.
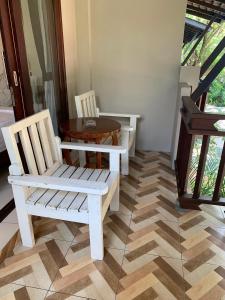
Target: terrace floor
x,y
152,249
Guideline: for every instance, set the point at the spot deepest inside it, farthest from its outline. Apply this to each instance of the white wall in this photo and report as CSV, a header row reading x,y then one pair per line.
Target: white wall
x,y
129,52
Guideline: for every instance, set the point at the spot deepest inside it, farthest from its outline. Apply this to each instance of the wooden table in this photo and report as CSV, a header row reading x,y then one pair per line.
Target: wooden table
x,y
76,129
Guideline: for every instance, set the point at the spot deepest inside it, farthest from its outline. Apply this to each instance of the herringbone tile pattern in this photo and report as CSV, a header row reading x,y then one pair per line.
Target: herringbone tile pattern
x,y
153,250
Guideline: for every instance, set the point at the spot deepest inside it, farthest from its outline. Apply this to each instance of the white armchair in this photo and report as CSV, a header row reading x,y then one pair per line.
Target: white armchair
x,y
53,189
86,107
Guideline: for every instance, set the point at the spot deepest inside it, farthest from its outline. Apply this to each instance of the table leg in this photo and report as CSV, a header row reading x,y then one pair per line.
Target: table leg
x,y
98,156
87,157
115,139
66,153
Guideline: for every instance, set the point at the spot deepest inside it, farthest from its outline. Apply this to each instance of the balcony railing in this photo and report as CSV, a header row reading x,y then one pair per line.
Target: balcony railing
x,y
197,123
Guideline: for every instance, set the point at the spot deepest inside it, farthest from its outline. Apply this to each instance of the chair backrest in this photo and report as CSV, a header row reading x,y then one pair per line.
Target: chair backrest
x,y
86,105
32,138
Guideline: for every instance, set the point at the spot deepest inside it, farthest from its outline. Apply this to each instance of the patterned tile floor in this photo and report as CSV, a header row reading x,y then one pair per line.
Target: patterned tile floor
x,y
152,249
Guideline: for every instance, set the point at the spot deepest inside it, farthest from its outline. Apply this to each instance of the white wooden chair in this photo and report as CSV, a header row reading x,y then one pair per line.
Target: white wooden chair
x,y
86,107
53,189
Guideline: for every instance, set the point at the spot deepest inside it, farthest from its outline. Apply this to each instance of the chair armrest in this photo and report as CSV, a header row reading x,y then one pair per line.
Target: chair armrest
x,y
118,115
127,128
93,147
62,184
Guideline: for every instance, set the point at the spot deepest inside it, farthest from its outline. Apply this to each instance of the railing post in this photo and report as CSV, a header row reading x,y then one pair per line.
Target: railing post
x,y
220,176
183,158
201,166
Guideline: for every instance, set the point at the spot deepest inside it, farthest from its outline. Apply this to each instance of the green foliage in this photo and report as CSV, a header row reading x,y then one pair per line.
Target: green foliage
x,y
216,95
217,92
211,168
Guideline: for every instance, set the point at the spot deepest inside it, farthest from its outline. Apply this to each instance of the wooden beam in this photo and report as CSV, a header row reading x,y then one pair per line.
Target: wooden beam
x,y
201,15
198,41
208,5
205,83
205,11
212,57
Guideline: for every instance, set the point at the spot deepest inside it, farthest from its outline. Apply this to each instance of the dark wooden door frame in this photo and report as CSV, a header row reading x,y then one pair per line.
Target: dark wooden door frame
x,y
61,59
11,59
15,18
11,27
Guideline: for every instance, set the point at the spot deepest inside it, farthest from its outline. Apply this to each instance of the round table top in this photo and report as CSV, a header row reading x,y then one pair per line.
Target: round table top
x,y
76,128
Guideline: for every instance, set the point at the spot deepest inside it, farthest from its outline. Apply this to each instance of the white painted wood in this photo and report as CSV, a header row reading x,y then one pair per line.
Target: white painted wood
x,y
59,151
56,200
11,145
50,197
51,138
132,137
70,197
24,219
96,226
37,148
114,162
93,147
20,125
107,114
80,198
115,202
81,217
27,149
60,191
45,143
86,104
125,156
38,193
61,184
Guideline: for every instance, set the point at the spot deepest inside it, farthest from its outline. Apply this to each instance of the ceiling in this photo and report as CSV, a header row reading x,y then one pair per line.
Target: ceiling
x,y
207,9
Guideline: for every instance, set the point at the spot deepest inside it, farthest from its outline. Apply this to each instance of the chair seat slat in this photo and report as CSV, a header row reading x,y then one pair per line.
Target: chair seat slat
x,y
49,194
80,197
59,195
71,195
103,176
63,200
39,192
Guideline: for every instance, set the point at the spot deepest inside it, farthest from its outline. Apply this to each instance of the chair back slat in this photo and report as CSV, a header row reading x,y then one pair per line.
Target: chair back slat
x,y
38,144
45,143
35,140
28,152
86,105
51,138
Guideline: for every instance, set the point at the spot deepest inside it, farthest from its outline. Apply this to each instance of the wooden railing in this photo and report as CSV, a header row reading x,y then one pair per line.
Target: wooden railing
x,y
197,123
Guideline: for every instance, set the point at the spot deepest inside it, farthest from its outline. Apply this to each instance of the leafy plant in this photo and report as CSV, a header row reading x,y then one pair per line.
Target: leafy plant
x,y
211,167
216,95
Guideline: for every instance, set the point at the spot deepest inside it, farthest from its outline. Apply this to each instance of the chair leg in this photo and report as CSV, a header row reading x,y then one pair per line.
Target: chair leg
x,y
26,229
96,226
82,158
115,203
24,219
132,150
125,163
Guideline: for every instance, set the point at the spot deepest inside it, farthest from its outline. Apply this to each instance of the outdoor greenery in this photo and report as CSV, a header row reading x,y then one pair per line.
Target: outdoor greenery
x,y
216,94
216,99
211,167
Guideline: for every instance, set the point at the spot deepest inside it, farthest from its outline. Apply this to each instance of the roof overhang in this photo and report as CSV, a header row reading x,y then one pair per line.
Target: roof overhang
x,y
207,9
